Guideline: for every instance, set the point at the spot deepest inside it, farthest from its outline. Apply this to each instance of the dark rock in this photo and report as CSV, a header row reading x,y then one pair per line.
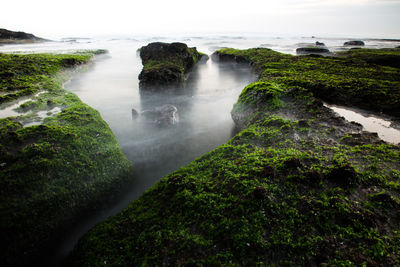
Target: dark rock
x,y
384,198
304,123
6,35
135,114
312,50
166,64
319,43
344,175
293,163
260,192
314,177
268,171
165,115
354,42
70,62
218,56
356,139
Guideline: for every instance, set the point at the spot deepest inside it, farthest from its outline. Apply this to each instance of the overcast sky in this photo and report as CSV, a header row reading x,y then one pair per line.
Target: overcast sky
x,y
49,18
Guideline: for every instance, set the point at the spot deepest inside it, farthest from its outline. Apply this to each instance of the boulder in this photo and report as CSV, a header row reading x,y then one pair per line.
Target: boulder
x,y
354,43
165,115
166,63
319,43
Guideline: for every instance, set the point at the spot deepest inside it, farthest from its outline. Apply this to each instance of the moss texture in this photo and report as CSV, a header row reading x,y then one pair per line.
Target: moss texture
x,y
54,171
364,78
296,187
166,64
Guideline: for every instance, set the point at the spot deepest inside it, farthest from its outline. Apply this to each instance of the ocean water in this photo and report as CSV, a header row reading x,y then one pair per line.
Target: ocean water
x,y
111,86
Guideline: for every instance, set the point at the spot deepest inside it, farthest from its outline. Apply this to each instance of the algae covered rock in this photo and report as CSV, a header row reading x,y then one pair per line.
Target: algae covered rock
x,y
318,49
166,63
287,190
364,78
354,43
52,170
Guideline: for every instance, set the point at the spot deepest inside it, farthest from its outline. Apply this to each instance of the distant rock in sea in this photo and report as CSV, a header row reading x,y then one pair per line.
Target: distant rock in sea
x,y
11,37
354,43
312,50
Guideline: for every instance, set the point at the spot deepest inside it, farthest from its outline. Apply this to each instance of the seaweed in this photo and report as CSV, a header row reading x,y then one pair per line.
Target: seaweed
x,y
297,186
54,172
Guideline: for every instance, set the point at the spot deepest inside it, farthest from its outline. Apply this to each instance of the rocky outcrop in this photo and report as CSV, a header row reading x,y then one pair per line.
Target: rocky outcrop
x,y
165,115
319,49
7,36
297,186
56,172
166,63
354,43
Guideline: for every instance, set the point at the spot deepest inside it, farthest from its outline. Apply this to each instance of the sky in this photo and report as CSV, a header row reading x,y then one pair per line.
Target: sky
x,y
346,18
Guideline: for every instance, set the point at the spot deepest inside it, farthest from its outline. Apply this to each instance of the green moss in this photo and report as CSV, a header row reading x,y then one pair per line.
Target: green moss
x,y
295,187
166,64
353,78
54,172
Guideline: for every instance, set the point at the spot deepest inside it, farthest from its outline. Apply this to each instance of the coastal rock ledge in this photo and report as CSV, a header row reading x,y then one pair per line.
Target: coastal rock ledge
x,y
166,64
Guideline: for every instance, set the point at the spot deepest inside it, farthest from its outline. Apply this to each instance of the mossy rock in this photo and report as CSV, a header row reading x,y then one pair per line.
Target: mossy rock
x,y
284,191
354,43
312,50
166,64
55,172
353,78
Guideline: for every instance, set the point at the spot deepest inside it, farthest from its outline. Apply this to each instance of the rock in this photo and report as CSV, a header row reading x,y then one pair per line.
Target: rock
x,y
312,50
135,114
260,192
354,42
7,36
166,64
219,55
165,115
319,43
345,176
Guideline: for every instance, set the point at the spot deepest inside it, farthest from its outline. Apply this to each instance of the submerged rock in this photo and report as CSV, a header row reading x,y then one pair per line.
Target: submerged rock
x,y
165,115
166,64
354,42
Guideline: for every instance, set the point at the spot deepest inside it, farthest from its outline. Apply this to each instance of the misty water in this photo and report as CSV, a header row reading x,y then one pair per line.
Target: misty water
x,y
110,85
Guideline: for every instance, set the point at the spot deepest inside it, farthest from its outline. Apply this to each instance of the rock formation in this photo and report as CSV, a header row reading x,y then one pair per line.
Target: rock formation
x,y
10,37
354,43
166,64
